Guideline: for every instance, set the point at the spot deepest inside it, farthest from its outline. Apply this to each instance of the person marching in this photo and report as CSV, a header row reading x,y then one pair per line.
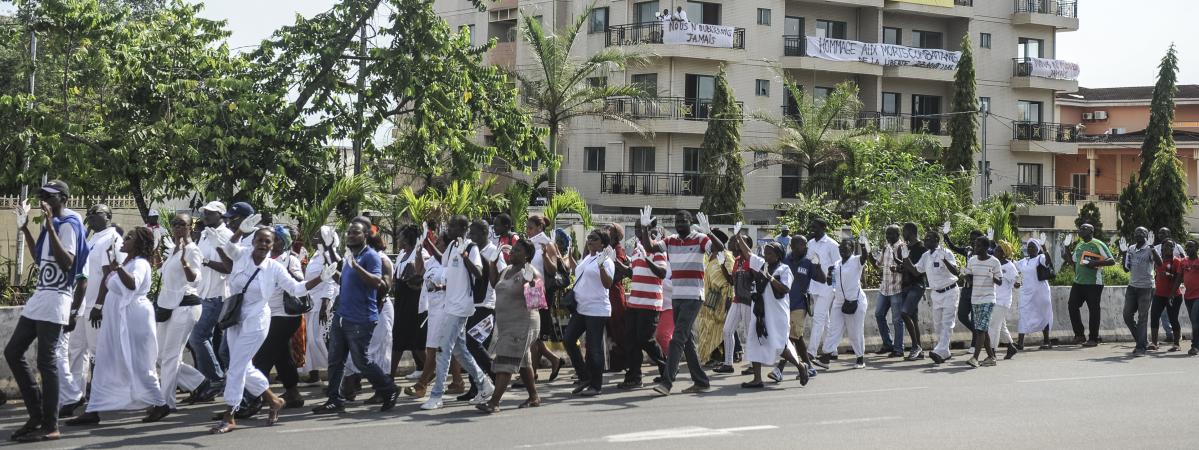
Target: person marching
x,y
516,323
803,272
205,339
593,280
379,349
913,285
1167,294
1139,261
648,269
998,330
81,341
824,251
890,293
275,352
1036,305
685,250
179,303
985,274
940,266
409,334
849,302
771,316
1090,257
736,321
1190,280
317,353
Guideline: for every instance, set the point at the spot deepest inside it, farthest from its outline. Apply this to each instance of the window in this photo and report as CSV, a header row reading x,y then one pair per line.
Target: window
x,y
597,82
926,39
793,36
1079,181
648,82
984,40
1028,111
831,29
699,91
790,181
821,93
691,159
926,111
891,103
1030,48
892,36
473,37
793,26
1028,174
645,11
763,16
599,20
641,159
984,104
703,12
762,88
595,158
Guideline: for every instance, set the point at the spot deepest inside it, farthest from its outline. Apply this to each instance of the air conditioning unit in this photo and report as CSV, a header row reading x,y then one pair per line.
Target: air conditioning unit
x,y
1119,130
1088,116
1100,115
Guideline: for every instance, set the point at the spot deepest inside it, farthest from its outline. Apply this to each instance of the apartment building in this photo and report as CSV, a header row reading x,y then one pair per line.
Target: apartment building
x,y
758,41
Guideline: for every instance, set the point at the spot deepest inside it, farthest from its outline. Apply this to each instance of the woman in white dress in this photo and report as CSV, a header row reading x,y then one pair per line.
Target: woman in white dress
x,y
317,321
770,324
125,376
255,275
1036,308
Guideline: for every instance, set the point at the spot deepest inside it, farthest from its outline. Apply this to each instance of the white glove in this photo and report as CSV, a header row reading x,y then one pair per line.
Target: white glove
x,y
328,272
647,215
736,228
528,273
250,224
601,258
720,258
1043,240
22,212
610,253
328,235
990,233
704,226
1123,245
491,254
169,244
946,228
1150,239
862,238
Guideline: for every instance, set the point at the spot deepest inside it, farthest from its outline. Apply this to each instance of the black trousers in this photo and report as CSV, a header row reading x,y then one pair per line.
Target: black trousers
x,y
639,327
42,404
966,313
1085,294
276,351
1171,305
477,349
591,370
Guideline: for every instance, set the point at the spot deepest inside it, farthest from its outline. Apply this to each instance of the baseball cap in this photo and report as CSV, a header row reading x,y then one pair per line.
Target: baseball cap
x,y
214,206
57,187
240,209
152,213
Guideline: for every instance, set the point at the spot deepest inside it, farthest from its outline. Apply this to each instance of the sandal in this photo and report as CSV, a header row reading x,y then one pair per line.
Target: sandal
x,y
272,416
530,403
417,390
752,385
222,427
487,408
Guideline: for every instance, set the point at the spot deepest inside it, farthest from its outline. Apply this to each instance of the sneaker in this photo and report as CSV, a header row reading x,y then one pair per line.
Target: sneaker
x,y
470,394
973,362
1139,353
1091,344
1151,347
989,362
329,408
776,375
970,351
413,376
661,390
724,368
630,384
1079,340
1011,351
824,359
1193,351
485,393
937,358
696,389
811,372
895,355
817,363
68,409
431,404
389,400
916,354
860,363
590,392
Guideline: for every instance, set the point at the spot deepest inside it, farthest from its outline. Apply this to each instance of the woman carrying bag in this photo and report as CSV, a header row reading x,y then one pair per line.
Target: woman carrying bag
x,y
517,325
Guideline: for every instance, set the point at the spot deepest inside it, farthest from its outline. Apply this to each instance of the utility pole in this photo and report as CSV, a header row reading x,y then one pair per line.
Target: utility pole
x,y
984,170
28,144
358,137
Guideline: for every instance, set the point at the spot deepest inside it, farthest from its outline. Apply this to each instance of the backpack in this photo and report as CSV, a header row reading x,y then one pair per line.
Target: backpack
x,y
478,286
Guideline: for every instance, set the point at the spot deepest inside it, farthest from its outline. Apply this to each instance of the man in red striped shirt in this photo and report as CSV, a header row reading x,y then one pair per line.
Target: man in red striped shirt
x,y
648,267
685,252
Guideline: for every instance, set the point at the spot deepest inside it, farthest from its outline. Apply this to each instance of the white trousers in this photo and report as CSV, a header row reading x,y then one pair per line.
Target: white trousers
x,y
822,305
379,350
172,337
244,340
840,323
734,326
316,352
74,368
998,326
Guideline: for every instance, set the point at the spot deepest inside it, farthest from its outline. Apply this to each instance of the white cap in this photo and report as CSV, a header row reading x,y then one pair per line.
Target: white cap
x,y
214,206
152,213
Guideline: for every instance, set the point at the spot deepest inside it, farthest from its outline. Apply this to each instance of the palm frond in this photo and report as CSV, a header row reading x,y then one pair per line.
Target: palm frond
x,y
351,189
569,200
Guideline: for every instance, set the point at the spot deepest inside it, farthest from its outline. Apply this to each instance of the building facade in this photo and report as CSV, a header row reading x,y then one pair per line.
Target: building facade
x,y
617,168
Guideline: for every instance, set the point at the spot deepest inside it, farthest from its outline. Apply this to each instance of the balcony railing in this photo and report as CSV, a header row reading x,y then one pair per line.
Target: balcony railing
x,y
935,124
1047,68
651,33
1044,131
662,107
794,45
1048,195
1064,8
963,2
793,186
651,183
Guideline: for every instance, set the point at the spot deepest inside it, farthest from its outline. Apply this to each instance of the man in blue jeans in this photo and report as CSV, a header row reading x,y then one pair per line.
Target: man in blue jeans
x,y
205,337
890,294
354,316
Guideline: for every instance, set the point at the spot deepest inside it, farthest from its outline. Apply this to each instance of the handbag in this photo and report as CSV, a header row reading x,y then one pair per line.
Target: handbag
x,y
849,308
535,295
295,306
162,314
231,311
1044,273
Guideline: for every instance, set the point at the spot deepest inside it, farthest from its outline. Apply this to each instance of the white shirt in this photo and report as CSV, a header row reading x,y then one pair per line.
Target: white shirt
x,y
590,293
826,255
118,295
98,257
984,273
174,280
500,265
847,278
255,312
213,282
432,300
325,290
51,301
1003,292
292,264
932,264
681,15
459,299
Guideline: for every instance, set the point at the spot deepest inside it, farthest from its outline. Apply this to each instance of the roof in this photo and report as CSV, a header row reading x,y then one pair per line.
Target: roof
x,y
1185,91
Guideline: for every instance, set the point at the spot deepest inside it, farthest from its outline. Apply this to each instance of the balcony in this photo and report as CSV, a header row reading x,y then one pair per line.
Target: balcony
x,y
1040,73
935,126
663,114
653,33
1048,195
651,183
1044,137
1062,15
919,73
795,57
960,8
856,3
791,186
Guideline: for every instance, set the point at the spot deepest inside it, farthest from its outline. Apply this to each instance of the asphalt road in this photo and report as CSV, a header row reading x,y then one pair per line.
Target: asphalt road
x,y
1067,397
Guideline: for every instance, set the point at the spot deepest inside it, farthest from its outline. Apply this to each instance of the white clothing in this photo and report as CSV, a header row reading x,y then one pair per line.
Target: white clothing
x,y
379,350
681,15
51,301
98,247
75,369
292,264
459,297
983,273
1036,306
767,349
316,354
932,264
172,337
212,283
822,305
174,280
997,328
1003,292
847,286
327,289
500,265
944,319
590,293
244,340
126,377
734,327
69,390
824,253
434,300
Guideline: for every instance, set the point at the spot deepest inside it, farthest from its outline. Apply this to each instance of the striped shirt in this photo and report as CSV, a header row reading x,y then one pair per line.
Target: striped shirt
x,y
687,264
645,288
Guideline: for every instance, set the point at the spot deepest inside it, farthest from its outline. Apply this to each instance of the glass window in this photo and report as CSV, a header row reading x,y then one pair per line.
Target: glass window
x,y
1028,111
763,16
597,82
473,37
762,88
984,104
891,103
646,11
1028,174
793,26
831,29
648,82
821,93
595,158
641,159
691,159
926,39
892,36
703,12
1030,48
984,40
599,20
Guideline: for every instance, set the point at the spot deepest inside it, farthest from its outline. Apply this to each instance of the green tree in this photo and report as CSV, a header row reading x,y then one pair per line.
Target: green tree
x,y
895,184
1164,190
817,136
559,90
1089,213
1159,134
798,213
1130,211
720,157
963,124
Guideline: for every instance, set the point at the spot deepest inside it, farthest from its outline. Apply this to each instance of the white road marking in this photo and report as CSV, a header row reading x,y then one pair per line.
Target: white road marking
x,y
383,423
1100,377
656,435
859,420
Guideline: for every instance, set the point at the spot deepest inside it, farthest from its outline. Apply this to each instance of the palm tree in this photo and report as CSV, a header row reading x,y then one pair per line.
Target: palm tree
x,y
560,90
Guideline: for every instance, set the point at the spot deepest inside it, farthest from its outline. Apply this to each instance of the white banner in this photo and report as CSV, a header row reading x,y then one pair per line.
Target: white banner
x,y
881,54
1052,68
680,32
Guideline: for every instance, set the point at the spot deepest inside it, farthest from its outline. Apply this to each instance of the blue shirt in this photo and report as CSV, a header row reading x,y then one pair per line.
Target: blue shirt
x,y
357,302
800,268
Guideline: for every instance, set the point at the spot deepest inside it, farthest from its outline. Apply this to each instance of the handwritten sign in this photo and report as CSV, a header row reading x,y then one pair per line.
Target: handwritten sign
x,y
881,54
704,35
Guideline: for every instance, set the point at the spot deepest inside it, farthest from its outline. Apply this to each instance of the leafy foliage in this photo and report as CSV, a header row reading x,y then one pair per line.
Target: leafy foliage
x,y
1159,135
1129,209
963,125
894,183
798,214
1164,190
345,195
720,157
475,201
818,135
568,201
1089,213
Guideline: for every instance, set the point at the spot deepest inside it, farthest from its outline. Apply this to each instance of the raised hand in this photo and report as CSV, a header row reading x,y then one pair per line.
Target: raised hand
x,y
349,255
647,215
720,258
22,212
328,272
250,224
703,225
946,228
328,236
737,229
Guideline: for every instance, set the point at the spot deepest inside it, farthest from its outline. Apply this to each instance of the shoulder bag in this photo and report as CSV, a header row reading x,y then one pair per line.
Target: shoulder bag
x,y
231,311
